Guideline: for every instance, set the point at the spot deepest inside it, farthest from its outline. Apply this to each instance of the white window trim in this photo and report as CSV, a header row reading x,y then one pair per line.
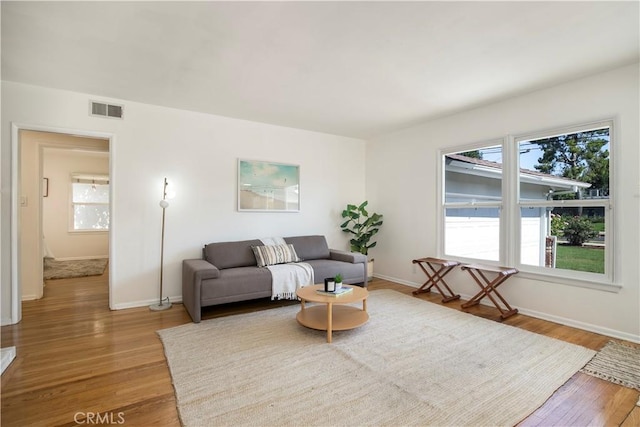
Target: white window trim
x,y
510,210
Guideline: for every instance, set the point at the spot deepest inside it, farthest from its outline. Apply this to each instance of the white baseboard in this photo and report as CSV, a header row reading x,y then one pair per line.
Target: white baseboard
x,y
6,321
540,315
30,297
145,303
7,355
396,280
581,325
76,258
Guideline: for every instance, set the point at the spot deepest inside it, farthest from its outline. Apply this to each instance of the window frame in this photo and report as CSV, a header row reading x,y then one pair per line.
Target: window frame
x,y
100,179
510,216
444,205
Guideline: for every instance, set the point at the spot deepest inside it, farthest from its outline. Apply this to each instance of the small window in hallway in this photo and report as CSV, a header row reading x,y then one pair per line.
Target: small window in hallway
x,y
90,202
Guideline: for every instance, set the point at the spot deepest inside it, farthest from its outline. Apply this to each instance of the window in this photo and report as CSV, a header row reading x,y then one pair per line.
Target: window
x,y
565,228
539,202
89,202
473,198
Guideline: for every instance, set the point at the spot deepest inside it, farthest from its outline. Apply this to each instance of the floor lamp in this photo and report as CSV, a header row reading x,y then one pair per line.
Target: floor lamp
x,y
164,204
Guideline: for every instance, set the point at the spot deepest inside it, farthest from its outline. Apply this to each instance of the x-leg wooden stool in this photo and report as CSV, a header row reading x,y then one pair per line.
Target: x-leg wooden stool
x,y
489,287
435,278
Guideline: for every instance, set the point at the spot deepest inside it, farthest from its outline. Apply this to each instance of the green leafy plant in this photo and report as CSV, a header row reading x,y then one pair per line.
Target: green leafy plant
x,y
361,226
338,278
557,225
578,230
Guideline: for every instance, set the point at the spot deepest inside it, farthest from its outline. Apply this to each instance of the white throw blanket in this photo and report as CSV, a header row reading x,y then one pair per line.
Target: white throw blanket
x,y
272,241
286,279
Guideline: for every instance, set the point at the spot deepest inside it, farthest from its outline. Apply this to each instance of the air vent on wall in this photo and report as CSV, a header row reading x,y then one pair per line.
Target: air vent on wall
x,y
101,109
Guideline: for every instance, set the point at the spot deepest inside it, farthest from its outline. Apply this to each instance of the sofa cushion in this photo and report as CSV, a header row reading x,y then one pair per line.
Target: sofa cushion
x,y
274,254
237,284
309,247
231,254
324,268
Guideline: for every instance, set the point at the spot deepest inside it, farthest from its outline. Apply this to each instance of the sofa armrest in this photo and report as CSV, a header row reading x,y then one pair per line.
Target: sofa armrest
x,y
344,256
194,271
201,269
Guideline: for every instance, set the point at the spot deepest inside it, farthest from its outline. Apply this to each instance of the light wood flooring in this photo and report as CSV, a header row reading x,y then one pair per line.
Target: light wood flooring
x,y
76,358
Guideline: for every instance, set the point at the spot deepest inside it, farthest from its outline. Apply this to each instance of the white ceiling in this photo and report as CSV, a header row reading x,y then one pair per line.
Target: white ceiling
x,y
348,68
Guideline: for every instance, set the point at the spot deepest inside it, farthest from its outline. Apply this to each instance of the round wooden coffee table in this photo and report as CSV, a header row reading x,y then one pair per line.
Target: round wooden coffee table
x,y
332,313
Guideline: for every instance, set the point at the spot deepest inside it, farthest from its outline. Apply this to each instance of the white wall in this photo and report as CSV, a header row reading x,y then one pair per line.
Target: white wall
x,y
57,166
29,214
199,153
402,185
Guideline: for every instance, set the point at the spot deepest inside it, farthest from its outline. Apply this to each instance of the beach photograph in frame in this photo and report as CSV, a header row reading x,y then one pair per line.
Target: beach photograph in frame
x,y
268,186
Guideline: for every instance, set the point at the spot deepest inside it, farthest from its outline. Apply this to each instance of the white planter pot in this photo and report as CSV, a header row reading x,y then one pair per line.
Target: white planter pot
x,y
370,270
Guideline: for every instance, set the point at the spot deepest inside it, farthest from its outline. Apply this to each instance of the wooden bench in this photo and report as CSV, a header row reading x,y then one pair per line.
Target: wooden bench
x,y
489,288
435,278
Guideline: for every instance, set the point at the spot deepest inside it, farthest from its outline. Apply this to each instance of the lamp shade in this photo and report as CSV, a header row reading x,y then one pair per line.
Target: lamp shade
x,y
169,191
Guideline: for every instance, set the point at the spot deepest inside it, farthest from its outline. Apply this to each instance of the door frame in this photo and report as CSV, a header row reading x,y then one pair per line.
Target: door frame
x,y
16,295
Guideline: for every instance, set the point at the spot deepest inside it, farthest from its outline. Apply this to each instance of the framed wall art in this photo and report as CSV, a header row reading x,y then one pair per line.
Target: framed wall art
x,y
268,186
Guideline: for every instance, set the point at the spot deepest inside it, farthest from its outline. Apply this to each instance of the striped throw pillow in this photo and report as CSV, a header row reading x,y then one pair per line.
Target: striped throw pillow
x,y
274,254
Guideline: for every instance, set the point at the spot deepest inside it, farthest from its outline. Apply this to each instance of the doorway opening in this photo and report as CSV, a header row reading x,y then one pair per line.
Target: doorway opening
x,y
62,198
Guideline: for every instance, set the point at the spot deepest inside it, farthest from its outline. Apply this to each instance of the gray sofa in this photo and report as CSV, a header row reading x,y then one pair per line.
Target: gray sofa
x,y
228,271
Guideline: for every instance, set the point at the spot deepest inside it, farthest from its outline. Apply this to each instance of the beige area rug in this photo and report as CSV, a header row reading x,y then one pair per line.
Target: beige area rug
x,y
413,363
617,363
54,269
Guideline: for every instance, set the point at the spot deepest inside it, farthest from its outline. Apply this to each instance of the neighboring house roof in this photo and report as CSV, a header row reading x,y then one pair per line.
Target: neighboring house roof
x,y
473,166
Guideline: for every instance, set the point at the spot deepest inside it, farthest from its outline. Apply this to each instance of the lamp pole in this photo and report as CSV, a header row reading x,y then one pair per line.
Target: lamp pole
x,y
164,205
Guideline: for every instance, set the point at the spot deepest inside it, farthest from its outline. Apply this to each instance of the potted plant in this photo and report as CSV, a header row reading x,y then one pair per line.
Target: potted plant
x,y
362,226
338,279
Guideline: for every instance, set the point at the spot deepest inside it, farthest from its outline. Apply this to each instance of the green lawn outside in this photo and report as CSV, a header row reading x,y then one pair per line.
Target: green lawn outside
x,y
580,258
